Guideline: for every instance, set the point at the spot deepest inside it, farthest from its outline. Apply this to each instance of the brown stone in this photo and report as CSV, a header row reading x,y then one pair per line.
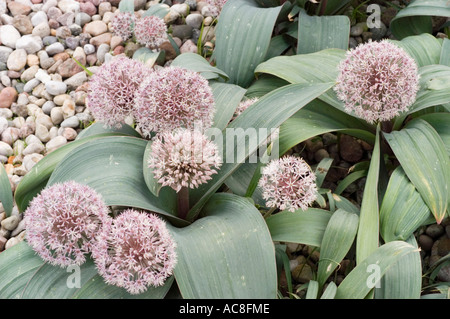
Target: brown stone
x,y
17,8
69,68
170,51
23,24
102,38
349,149
7,96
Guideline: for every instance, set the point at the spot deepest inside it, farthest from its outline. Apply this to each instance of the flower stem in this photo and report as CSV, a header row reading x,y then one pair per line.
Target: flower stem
x,y
183,202
269,212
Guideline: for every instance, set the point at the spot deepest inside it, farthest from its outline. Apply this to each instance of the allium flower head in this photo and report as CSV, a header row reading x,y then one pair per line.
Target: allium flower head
x,y
173,97
288,183
62,222
122,25
377,81
135,251
112,89
215,6
184,158
150,31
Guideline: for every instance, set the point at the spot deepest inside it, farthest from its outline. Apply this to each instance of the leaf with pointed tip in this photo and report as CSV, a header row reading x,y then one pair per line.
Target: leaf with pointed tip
x,y
403,210
243,36
337,241
424,158
364,277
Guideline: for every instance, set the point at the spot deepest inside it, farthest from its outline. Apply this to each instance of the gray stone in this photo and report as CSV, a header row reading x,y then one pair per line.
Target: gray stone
x,y
76,80
4,53
30,85
194,20
54,48
47,107
81,18
72,42
9,35
379,32
56,87
89,49
101,52
72,122
357,29
48,40
31,43
182,31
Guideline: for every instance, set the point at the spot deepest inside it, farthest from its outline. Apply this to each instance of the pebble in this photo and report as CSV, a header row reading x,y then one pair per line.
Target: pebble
x,y
435,230
9,35
17,60
55,87
54,48
7,97
55,143
11,222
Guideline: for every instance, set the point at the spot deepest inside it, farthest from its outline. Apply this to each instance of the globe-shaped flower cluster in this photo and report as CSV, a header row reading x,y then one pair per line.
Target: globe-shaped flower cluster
x,y
183,158
377,81
112,89
288,183
67,221
150,31
62,222
135,251
122,25
173,97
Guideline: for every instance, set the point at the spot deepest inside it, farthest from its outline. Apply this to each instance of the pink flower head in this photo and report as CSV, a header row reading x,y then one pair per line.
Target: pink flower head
x,y
112,89
62,222
150,31
215,6
288,183
135,251
122,25
183,158
173,97
243,106
377,81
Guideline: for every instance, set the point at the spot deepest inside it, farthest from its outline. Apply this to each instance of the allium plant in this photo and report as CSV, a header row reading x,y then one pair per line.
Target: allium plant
x,y
288,184
62,222
122,25
377,81
112,90
135,251
150,31
215,6
173,97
